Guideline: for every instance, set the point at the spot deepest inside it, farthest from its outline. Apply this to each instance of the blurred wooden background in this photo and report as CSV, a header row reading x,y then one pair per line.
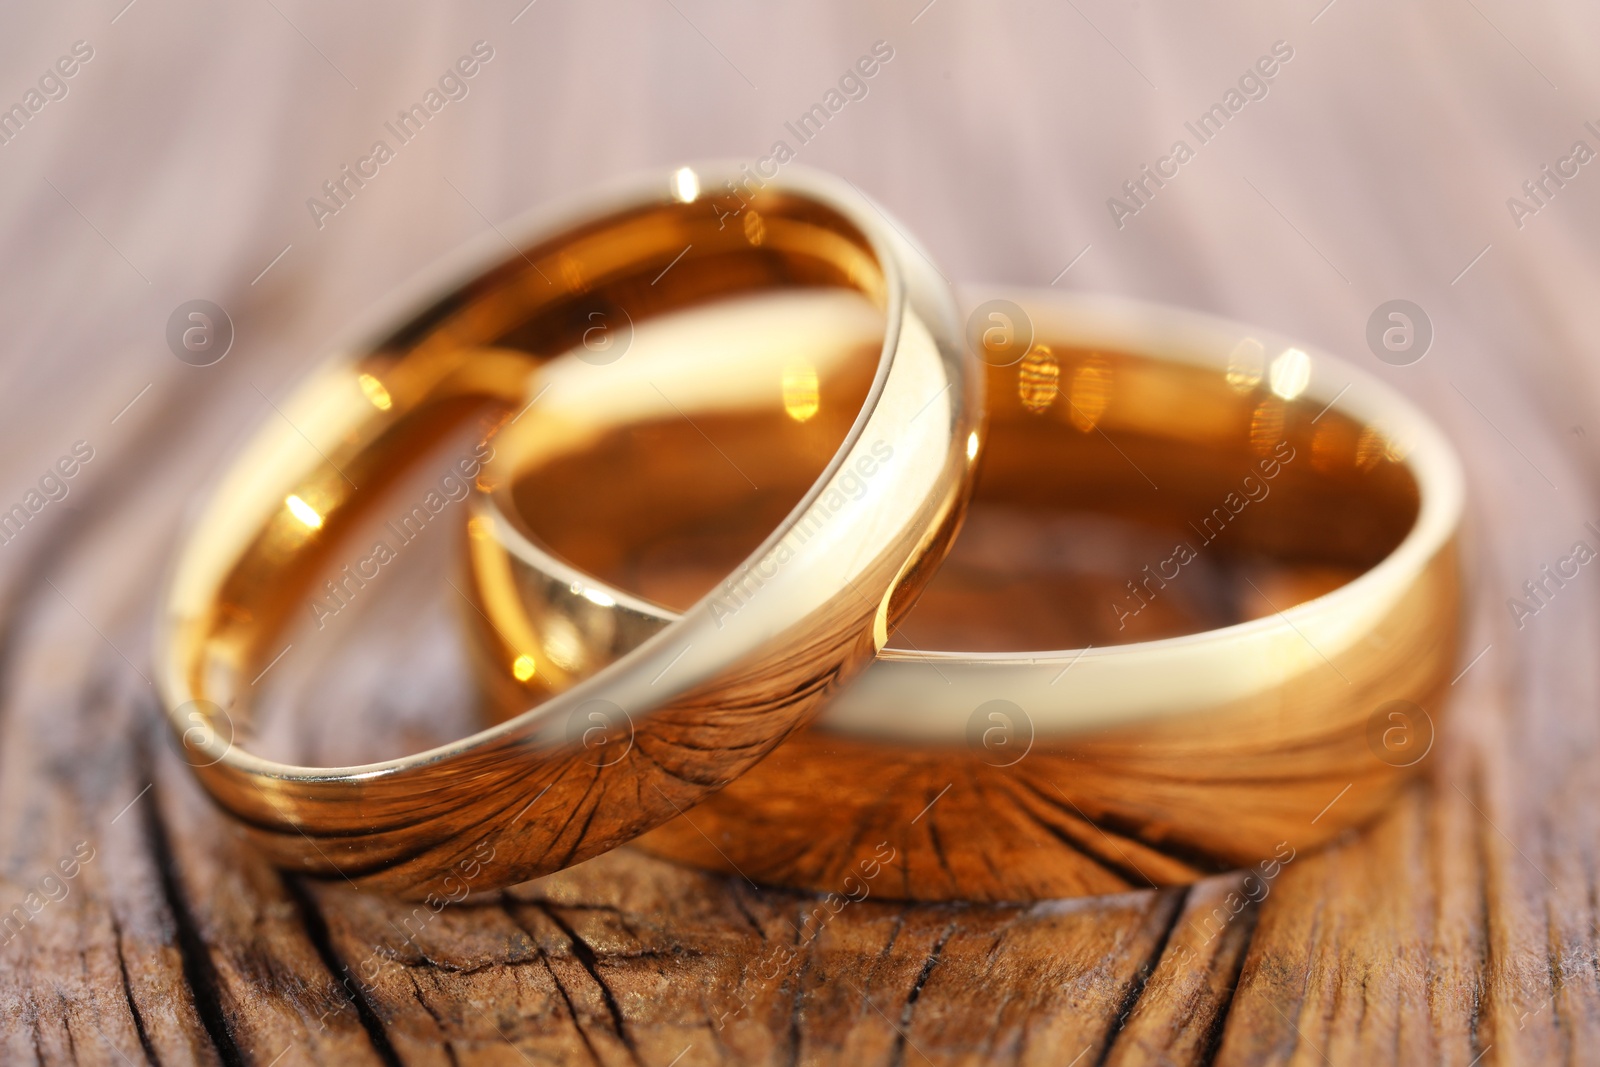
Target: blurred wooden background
x,y
177,166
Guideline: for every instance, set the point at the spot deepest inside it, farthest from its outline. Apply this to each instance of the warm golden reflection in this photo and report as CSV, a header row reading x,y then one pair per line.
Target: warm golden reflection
x,y
1245,365
1372,448
1290,373
708,702
801,394
304,512
755,230
375,392
1039,378
1330,445
571,273
1266,425
685,185
1396,449
1110,612
563,644
1090,392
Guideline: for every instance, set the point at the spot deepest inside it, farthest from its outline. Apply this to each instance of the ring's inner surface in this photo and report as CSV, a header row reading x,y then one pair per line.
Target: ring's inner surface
x,y
1120,498
277,528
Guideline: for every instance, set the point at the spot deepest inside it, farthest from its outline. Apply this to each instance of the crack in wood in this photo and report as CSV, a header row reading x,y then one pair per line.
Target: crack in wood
x,y
590,962
127,992
198,967
316,929
1173,902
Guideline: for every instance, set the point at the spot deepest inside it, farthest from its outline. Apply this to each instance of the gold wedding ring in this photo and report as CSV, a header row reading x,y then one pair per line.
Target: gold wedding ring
x,y
688,709
1153,737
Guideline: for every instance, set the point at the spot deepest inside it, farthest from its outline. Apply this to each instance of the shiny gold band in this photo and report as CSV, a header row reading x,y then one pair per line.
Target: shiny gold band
x,y
1166,740
691,708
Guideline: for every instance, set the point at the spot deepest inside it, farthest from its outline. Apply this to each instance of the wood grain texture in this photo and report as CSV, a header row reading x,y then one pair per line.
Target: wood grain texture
x,y
1459,929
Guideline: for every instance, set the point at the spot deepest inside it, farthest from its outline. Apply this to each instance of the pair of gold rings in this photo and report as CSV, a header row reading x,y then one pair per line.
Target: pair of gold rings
x,y
739,431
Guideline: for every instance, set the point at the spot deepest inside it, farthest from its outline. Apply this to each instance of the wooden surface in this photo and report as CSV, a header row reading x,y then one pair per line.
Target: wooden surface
x,y
1460,929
